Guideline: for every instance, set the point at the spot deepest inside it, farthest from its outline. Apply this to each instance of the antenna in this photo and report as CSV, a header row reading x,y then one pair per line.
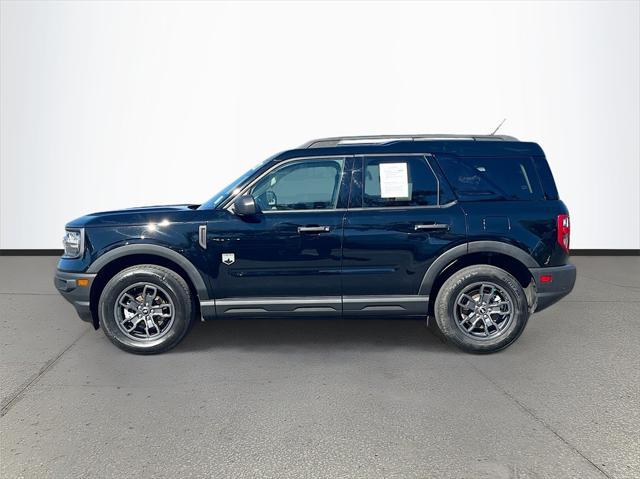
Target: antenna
x,y
498,127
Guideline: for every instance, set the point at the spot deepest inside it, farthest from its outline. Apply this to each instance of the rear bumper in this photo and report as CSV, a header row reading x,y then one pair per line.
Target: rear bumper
x,y
79,296
563,278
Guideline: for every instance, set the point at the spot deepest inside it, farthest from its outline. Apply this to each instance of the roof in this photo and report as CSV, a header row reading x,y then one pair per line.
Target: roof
x,y
381,139
461,145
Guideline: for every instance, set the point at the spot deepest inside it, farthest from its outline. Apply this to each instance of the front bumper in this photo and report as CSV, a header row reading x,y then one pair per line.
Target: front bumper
x,y
67,285
559,283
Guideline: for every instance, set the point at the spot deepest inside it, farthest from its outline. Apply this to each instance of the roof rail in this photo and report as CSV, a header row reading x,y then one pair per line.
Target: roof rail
x,y
380,139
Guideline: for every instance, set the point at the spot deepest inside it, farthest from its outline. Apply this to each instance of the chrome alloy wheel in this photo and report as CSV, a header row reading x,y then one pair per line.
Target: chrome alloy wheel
x,y
484,310
144,312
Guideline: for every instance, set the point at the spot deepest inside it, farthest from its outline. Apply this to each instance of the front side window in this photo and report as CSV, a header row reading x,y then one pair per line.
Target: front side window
x,y
398,181
300,185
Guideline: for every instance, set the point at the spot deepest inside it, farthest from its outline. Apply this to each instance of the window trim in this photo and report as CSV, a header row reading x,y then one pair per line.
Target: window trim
x,y
433,172
229,203
384,208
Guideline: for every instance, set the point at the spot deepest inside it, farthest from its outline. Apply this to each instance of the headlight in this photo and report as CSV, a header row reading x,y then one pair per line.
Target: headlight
x,y
73,243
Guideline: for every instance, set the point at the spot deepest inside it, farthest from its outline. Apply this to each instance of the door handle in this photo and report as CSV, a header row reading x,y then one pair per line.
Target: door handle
x,y
433,226
313,229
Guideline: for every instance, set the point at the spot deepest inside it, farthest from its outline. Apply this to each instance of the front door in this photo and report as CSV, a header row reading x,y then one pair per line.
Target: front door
x,y
287,258
400,219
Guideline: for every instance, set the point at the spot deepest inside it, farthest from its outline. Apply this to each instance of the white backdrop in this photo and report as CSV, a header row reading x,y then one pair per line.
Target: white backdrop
x,y
117,104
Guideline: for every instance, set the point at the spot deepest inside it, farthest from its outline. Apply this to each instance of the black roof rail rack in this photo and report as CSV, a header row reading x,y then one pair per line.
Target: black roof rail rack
x,y
380,139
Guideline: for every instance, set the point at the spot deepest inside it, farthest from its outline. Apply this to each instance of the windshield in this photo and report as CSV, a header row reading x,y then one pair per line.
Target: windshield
x,y
224,192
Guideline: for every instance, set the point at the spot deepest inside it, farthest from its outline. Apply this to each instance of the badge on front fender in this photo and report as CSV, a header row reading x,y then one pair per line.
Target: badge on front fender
x,y
228,258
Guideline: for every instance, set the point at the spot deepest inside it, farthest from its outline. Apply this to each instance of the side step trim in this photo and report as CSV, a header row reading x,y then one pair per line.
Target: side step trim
x,y
415,305
279,306
371,305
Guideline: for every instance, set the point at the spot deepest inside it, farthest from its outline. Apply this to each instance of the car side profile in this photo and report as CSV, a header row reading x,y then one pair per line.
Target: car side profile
x,y
466,229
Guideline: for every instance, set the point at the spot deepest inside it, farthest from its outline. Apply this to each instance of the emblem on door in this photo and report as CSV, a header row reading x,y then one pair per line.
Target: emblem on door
x,y
228,258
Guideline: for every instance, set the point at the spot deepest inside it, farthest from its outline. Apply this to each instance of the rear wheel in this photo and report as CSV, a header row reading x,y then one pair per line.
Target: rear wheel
x,y
481,309
146,309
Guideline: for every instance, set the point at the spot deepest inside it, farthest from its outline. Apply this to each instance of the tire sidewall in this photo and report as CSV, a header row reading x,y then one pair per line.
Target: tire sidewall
x,y
445,308
153,275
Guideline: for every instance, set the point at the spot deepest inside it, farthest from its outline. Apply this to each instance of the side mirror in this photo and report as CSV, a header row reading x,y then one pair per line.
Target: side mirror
x,y
245,206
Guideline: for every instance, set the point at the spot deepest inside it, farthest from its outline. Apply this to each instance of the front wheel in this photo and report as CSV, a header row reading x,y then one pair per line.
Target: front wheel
x,y
146,309
481,309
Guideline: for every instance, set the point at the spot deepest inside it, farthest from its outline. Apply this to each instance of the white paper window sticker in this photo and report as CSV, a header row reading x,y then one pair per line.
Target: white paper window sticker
x,y
394,180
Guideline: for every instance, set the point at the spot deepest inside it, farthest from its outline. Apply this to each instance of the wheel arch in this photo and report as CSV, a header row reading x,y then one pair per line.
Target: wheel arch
x,y
508,257
116,260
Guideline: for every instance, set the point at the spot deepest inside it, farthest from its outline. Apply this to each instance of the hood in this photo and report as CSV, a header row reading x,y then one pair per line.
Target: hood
x,y
135,216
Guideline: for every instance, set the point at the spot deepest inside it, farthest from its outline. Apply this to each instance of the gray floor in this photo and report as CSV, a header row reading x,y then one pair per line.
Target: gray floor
x,y
323,398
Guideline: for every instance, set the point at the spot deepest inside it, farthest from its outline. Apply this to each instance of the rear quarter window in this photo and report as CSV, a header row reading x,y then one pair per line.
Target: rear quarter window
x,y
474,179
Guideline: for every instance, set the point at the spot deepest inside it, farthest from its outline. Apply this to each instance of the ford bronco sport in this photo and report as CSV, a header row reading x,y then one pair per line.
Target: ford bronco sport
x,y
468,230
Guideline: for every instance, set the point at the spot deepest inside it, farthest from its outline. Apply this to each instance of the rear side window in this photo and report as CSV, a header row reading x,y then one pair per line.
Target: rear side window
x,y
398,181
491,178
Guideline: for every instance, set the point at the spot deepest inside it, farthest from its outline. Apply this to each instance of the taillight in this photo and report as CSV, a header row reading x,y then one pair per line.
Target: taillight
x,y
564,231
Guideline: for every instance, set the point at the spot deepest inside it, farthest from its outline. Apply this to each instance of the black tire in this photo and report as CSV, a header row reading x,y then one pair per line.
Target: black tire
x,y
171,284
446,304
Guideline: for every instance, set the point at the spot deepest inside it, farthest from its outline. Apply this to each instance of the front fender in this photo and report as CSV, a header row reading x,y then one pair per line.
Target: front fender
x,y
153,250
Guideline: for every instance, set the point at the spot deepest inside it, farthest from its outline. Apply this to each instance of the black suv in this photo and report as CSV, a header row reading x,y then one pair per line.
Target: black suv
x,y
466,229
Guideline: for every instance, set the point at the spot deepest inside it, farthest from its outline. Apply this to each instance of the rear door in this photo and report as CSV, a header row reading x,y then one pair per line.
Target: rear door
x,y
396,226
